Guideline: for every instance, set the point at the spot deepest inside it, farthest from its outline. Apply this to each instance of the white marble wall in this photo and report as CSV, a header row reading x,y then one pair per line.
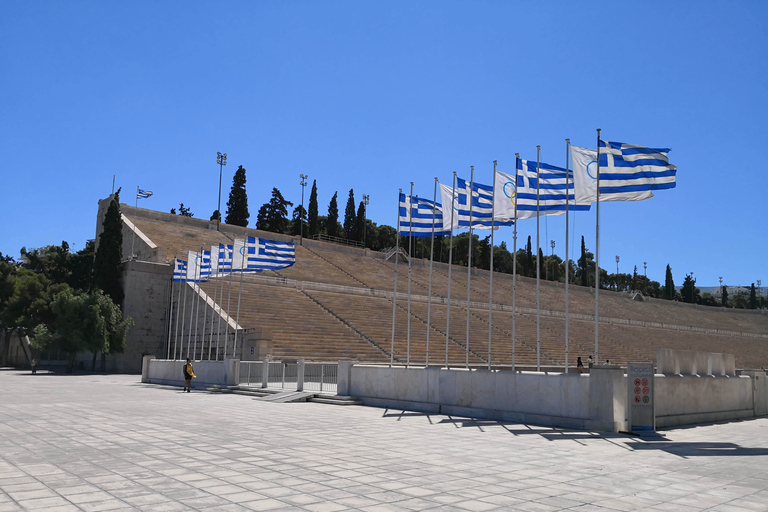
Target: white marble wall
x,y
689,399
209,373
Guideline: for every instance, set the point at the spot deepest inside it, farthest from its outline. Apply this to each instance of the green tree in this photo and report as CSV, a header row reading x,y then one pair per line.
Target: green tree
x,y
484,258
669,285
584,265
724,297
216,215
349,217
634,279
107,264
184,211
82,322
461,249
689,292
81,265
299,219
360,224
314,224
529,269
502,258
386,237
273,216
237,205
332,222
752,302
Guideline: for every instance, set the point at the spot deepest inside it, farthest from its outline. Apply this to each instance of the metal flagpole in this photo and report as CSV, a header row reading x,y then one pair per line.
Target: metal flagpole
x,y
221,302
184,311
213,308
490,300
176,330
410,253
394,293
239,295
431,257
567,262
470,198
597,250
205,314
198,277
538,267
170,313
191,310
514,269
450,266
229,296
133,238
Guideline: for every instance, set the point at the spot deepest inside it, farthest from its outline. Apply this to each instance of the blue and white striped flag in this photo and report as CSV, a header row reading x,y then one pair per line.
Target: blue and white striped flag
x,y
179,270
418,215
482,206
269,255
627,172
142,194
451,210
214,270
551,193
225,258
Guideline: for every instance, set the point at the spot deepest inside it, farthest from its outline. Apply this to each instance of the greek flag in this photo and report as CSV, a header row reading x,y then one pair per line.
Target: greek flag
x,y
269,255
179,270
142,194
214,270
627,172
198,266
417,217
551,191
225,258
482,206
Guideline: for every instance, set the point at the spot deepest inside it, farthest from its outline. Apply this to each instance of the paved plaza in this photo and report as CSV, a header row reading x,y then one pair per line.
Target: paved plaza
x,y
108,442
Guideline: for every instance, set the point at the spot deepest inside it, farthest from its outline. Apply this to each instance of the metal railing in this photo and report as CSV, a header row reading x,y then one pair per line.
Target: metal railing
x,y
321,377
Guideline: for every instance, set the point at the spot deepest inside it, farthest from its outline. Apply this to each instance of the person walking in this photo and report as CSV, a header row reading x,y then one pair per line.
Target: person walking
x,y
189,374
579,365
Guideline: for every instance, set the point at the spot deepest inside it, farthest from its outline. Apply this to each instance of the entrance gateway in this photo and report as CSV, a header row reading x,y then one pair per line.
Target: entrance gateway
x,y
641,407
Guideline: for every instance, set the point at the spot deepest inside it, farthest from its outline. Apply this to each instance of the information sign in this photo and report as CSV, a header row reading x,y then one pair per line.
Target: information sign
x,y
640,404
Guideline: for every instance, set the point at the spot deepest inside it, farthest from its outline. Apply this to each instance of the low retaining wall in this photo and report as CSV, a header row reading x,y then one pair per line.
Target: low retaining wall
x,y
209,373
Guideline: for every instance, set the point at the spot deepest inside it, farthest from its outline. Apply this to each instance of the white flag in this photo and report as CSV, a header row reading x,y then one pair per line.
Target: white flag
x,y
449,205
585,180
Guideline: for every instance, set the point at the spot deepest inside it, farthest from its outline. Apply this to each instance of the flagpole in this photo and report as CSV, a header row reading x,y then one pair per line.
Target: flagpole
x,y
394,293
205,312
170,314
213,308
597,250
410,255
490,300
198,276
191,311
567,262
176,330
450,266
239,296
229,297
431,257
538,266
184,309
133,238
514,267
470,197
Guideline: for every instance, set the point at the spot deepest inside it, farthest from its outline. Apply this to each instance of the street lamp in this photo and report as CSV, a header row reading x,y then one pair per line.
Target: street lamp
x,y
366,200
722,302
645,269
759,283
617,273
222,161
301,213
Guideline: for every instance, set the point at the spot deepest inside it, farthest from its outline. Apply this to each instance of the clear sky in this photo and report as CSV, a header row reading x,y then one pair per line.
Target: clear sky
x,y
374,95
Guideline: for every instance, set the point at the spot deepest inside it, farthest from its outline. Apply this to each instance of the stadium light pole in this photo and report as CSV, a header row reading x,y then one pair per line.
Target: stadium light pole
x,y
221,159
301,213
366,200
617,272
552,245
759,284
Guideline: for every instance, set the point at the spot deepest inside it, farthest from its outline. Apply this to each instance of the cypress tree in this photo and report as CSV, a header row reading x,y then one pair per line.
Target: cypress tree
x,y
752,302
530,271
669,285
237,205
350,218
360,223
583,264
273,216
107,264
314,224
333,217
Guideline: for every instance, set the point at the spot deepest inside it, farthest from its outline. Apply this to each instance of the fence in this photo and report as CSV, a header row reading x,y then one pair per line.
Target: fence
x,y
290,375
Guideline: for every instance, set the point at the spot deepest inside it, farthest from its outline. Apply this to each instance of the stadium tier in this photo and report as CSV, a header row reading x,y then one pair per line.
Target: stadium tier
x,y
336,302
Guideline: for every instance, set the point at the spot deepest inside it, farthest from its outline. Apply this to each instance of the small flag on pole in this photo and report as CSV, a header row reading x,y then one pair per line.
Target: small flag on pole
x,y
423,213
179,270
143,194
198,266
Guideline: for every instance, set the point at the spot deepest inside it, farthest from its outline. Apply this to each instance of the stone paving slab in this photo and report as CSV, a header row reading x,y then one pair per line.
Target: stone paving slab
x,y
108,442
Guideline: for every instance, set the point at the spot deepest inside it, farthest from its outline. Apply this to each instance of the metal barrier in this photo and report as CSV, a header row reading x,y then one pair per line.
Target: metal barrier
x,y
321,377
251,373
283,375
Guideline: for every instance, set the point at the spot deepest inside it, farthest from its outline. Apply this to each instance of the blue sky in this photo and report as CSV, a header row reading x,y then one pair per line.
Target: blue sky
x,y
374,95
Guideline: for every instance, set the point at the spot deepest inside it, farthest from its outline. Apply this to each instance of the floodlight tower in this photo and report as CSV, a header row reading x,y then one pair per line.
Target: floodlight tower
x,y
301,213
366,201
221,159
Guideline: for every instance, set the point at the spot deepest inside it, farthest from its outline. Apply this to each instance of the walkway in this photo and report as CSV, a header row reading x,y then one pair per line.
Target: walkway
x,y
108,442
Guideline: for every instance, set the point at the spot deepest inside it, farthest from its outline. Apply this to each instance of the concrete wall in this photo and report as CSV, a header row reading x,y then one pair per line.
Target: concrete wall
x,y
553,399
209,373
689,399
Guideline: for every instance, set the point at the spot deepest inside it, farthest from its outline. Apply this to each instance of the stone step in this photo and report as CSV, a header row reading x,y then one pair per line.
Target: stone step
x,y
336,400
288,396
